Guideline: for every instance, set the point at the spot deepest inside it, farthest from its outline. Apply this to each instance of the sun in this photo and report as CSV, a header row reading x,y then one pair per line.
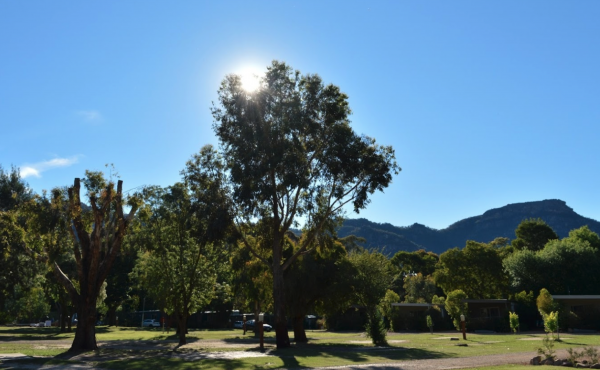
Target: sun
x,y
250,80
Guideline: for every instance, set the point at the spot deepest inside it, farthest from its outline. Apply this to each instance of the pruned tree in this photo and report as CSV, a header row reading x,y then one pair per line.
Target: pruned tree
x,y
97,231
290,153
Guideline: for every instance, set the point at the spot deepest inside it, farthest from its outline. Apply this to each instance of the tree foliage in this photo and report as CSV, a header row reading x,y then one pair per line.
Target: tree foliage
x,y
419,261
372,279
513,319
290,153
455,306
476,270
18,269
185,231
584,234
373,275
385,306
14,191
533,234
545,303
564,266
419,288
375,328
318,282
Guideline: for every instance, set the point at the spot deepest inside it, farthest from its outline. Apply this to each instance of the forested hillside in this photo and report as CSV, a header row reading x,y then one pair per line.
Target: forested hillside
x,y
498,222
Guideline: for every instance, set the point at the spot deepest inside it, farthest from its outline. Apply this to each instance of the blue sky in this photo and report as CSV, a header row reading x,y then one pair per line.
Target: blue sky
x,y
485,102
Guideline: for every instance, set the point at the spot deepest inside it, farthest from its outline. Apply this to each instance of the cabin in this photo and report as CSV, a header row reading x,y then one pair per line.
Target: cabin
x,y
488,314
584,311
412,316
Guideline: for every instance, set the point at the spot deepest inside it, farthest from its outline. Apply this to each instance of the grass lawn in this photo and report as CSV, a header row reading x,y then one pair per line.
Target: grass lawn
x,y
130,348
505,367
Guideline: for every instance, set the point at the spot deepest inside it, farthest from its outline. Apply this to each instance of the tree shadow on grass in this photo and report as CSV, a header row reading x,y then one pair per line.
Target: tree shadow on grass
x,y
350,353
569,343
297,356
37,362
246,340
167,363
31,334
291,358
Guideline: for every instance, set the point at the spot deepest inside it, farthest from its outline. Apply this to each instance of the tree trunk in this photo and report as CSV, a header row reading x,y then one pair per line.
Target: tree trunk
x,y
256,313
182,328
299,333
111,316
85,334
281,332
64,318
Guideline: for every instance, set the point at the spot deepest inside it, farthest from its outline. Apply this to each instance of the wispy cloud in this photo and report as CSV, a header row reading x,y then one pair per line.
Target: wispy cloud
x,y
90,115
36,169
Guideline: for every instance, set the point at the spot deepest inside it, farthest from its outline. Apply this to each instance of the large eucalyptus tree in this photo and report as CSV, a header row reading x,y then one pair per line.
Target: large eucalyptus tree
x,y
291,155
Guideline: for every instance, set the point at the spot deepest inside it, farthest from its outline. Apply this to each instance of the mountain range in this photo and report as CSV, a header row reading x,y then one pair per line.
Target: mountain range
x,y
498,222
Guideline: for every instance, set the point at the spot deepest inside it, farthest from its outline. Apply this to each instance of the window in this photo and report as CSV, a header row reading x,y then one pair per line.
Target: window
x,y
577,310
490,312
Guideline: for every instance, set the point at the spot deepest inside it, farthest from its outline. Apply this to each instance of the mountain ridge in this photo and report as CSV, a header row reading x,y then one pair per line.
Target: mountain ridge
x,y
496,222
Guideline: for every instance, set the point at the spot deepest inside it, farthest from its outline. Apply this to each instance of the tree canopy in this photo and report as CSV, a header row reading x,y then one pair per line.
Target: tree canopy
x,y
533,234
290,153
564,266
476,270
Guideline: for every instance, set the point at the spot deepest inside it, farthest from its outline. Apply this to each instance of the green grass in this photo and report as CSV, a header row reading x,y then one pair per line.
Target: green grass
x,y
30,349
39,362
505,367
324,348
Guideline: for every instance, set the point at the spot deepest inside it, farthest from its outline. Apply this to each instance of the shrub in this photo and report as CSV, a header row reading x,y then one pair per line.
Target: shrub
x,y
430,323
547,349
592,354
551,322
589,352
514,321
545,302
574,356
455,306
386,306
376,328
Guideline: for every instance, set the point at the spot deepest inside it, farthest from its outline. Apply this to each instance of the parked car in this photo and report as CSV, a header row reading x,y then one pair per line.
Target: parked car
x,y
238,324
41,324
250,325
151,323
